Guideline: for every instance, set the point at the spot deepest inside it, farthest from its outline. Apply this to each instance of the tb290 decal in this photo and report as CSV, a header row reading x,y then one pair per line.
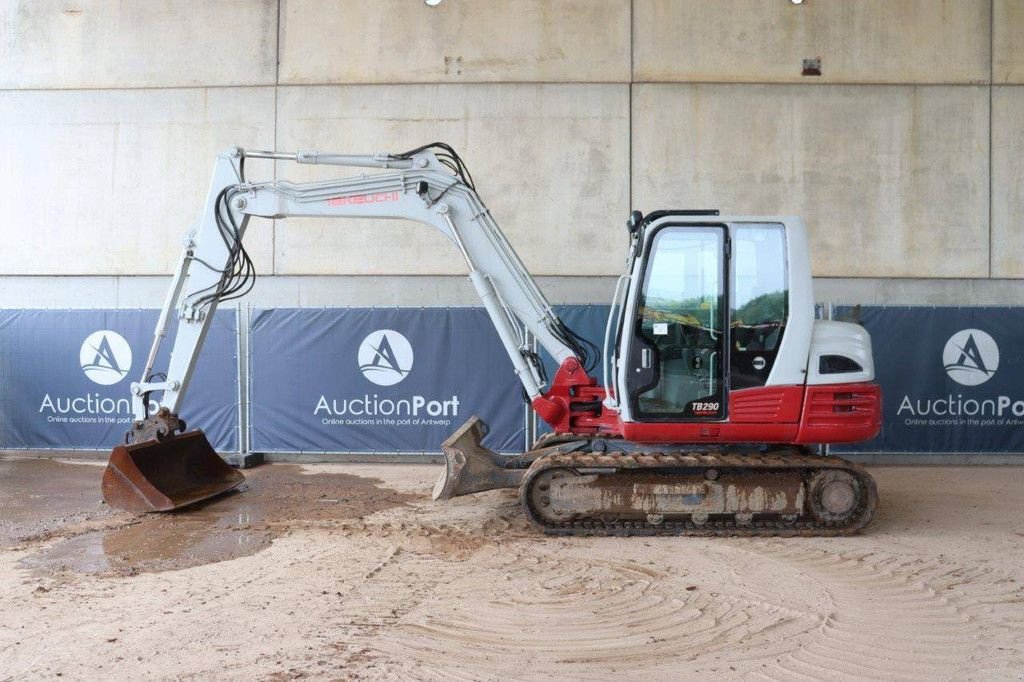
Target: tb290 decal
x,y
705,408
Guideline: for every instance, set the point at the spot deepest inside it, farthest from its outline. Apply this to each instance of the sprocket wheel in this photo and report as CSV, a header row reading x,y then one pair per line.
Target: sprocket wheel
x,y
834,496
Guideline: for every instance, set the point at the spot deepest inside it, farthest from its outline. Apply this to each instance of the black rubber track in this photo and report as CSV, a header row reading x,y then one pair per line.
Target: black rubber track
x,y
722,525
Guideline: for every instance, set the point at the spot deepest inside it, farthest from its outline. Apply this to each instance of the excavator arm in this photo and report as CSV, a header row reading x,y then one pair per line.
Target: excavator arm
x,y
414,186
157,469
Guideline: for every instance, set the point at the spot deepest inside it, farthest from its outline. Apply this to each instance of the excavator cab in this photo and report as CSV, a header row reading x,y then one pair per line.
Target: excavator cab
x,y
707,315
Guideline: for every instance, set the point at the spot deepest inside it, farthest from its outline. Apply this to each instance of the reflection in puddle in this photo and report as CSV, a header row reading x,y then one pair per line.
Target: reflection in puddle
x,y
274,499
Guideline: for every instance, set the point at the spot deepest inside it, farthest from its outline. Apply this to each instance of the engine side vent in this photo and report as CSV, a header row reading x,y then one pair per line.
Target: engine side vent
x,y
837,364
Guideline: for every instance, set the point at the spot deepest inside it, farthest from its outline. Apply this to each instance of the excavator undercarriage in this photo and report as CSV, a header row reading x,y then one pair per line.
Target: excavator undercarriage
x,y
579,485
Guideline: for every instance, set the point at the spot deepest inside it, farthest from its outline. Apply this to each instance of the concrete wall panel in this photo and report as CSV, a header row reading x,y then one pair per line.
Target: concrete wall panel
x,y
109,182
551,162
1008,41
1008,181
405,41
157,43
892,181
859,41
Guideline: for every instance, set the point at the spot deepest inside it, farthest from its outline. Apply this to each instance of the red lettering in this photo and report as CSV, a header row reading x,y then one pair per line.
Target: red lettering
x,y
377,198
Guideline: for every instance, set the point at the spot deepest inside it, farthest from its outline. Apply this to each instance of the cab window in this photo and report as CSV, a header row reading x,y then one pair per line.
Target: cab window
x,y
681,319
760,301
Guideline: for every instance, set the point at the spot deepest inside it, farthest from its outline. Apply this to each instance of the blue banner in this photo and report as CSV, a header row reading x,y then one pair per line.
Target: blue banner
x,y
378,380
952,378
65,377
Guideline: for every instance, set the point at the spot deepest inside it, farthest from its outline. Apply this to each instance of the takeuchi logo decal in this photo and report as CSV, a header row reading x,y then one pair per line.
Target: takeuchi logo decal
x,y
375,198
106,358
385,357
970,357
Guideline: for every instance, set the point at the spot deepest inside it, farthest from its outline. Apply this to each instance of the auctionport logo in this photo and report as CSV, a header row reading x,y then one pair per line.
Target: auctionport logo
x,y
105,357
970,357
385,357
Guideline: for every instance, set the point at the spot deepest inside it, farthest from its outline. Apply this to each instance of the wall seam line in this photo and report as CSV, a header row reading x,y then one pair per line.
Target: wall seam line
x,y
277,86
991,98
629,114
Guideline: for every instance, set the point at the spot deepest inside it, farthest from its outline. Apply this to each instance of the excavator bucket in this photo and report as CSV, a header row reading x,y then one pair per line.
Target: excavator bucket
x,y
472,468
168,474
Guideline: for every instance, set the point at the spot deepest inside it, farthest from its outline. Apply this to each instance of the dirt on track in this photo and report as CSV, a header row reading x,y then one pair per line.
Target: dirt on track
x,y
351,572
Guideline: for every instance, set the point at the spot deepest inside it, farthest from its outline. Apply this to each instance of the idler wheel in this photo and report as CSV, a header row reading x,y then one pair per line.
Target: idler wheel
x,y
540,495
834,496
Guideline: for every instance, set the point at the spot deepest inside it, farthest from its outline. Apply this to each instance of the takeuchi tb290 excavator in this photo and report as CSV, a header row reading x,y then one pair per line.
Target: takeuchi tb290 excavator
x,y
720,381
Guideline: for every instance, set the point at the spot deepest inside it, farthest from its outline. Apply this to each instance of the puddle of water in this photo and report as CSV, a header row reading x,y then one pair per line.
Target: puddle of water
x,y
274,499
38,496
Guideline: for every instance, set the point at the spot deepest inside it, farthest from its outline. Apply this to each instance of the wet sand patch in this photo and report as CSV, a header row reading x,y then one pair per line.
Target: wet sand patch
x,y
274,500
39,497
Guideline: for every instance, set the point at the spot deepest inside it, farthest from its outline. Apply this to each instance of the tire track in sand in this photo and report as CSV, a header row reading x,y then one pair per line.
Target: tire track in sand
x,y
902,617
564,615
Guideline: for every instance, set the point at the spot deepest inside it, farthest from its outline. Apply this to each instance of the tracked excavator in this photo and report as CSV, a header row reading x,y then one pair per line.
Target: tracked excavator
x,y
718,382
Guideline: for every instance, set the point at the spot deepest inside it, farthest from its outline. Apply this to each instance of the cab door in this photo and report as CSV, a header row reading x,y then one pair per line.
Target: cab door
x,y
677,362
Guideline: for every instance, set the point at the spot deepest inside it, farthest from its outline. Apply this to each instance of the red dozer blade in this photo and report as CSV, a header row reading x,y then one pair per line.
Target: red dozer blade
x,y
164,475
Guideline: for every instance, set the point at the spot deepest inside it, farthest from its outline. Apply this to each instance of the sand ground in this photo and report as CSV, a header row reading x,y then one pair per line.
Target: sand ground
x,y
350,571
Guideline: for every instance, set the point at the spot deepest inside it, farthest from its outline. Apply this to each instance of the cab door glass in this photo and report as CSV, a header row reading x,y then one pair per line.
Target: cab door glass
x,y
681,318
760,302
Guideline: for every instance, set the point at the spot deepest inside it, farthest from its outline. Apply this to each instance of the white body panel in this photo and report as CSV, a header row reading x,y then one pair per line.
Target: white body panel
x,y
840,338
791,363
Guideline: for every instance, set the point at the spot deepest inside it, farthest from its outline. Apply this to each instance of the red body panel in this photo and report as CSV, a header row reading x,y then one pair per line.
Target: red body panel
x,y
841,413
831,413
571,385
767,405
708,432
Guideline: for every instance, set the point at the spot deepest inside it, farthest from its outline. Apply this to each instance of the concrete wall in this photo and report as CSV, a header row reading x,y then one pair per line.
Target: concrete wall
x,y
107,181
459,41
549,202
1008,42
151,44
903,156
892,181
858,41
